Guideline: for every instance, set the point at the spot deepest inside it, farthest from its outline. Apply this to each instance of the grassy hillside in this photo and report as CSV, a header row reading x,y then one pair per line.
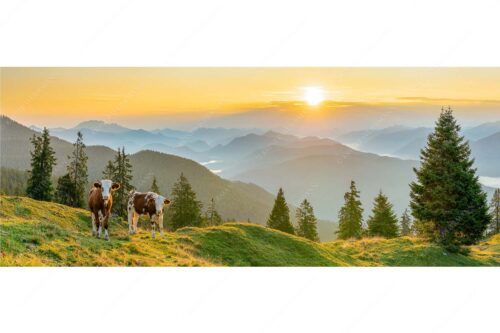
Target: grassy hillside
x,y
46,234
234,199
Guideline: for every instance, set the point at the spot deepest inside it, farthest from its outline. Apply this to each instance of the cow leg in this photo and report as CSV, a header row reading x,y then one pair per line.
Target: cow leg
x,y
130,221
105,223
97,219
160,224
99,225
153,228
94,228
134,222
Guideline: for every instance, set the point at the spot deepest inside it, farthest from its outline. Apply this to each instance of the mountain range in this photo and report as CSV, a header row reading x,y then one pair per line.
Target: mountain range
x,y
406,143
114,135
255,163
234,199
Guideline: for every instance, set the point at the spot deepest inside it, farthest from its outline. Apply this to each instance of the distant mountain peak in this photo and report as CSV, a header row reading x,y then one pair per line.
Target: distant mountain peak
x,y
101,126
35,128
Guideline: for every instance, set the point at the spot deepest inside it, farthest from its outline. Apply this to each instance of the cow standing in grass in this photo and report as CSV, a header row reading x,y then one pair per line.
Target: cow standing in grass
x,y
149,203
100,203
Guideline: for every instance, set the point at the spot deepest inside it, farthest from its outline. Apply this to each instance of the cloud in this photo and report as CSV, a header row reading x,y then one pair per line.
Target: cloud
x,y
420,99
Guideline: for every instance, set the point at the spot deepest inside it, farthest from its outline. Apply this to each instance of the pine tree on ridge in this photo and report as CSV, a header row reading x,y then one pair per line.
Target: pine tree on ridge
x,y
279,218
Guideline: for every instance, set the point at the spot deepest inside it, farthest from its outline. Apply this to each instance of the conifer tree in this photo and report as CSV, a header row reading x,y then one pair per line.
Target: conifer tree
x,y
185,209
495,213
447,199
77,171
123,175
154,186
406,225
307,222
42,162
212,217
280,215
382,222
65,190
351,215
109,171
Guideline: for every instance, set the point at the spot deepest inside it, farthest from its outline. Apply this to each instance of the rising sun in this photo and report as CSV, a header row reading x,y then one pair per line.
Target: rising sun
x,y
313,95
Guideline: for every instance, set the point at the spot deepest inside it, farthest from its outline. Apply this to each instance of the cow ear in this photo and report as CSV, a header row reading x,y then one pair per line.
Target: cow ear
x,y
98,185
166,201
115,186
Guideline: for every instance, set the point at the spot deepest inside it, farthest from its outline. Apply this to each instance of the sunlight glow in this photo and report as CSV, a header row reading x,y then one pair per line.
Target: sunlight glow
x,y
313,95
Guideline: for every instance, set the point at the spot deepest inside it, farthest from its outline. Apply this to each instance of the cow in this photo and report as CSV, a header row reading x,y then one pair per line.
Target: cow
x,y
100,203
149,203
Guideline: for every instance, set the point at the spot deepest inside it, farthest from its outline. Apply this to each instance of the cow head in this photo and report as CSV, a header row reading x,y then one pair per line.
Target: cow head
x,y
107,188
159,202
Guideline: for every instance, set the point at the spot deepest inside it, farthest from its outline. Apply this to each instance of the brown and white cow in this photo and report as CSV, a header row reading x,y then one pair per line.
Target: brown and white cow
x,y
100,203
149,203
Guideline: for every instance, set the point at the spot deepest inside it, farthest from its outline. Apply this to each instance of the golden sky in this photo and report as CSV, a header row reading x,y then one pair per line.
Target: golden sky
x,y
72,94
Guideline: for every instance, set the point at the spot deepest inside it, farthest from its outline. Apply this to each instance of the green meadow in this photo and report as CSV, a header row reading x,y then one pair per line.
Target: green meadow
x,y
36,233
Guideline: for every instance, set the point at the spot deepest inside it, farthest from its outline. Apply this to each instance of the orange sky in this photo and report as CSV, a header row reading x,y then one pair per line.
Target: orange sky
x,y
69,95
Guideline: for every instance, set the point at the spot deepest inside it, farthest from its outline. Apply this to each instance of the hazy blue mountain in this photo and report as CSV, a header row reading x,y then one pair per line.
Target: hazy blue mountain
x,y
132,139
210,136
219,135
101,126
482,131
362,136
387,141
114,135
287,150
323,179
412,149
407,143
182,151
197,145
487,154
36,128
244,145
172,132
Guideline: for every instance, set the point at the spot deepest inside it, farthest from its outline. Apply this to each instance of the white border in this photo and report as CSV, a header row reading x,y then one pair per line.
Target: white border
x,y
249,300
252,33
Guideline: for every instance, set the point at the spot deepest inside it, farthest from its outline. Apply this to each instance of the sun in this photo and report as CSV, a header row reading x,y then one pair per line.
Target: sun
x,y
313,95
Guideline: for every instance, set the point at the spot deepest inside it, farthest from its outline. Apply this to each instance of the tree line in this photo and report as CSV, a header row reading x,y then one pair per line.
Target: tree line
x,y
71,188
447,202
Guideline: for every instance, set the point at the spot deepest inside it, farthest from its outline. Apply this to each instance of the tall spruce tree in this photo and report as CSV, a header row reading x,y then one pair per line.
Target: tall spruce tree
x,y
351,215
307,222
494,227
447,198
123,175
77,171
382,222
43,159
406,225
212,217
109,171
154,186
185,209
280,215
65,190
